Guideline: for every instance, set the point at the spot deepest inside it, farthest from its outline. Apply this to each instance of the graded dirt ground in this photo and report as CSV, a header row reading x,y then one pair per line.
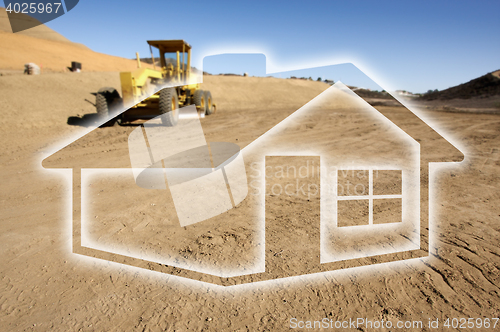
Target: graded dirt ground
x,y
47,288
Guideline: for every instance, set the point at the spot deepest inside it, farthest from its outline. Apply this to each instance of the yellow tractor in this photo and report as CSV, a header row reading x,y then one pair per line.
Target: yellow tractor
x,y
147,93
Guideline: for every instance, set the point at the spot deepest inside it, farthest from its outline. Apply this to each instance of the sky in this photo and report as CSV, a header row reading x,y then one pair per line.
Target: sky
x,y
405,45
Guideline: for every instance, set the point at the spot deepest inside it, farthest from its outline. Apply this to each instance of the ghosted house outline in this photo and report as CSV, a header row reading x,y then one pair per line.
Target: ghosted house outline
x,y
316,265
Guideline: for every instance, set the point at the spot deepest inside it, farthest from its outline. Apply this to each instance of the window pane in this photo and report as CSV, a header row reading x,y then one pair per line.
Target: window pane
x,y
387,182
387,211
352,212
353,182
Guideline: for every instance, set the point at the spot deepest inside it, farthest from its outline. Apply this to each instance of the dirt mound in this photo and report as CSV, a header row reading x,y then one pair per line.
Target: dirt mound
x,y
50,50
54,55
485,86
40,31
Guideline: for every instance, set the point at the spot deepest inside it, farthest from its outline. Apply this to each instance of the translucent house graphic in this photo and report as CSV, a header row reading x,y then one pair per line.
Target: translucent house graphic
x,y
335,185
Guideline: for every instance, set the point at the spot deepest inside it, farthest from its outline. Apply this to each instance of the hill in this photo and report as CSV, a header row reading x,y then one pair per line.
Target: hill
x,y
52,51
485,86
40,31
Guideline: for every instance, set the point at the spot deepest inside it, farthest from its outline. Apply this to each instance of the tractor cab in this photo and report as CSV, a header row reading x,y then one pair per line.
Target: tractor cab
x,y
175,59
147,93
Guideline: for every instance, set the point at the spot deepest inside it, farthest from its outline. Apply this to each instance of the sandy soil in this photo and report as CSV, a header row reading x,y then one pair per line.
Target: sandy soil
x,y
40,31
46,287
51,51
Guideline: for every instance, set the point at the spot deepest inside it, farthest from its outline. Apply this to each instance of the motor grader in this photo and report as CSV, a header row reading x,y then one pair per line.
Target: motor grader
x,y
147,93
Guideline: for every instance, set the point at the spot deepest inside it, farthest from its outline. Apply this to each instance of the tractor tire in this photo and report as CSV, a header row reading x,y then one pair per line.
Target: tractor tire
x,y
209,103
169,107
107,100
101,105
199,99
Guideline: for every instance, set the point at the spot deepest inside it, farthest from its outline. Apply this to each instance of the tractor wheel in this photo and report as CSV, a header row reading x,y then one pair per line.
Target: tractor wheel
x,y
199,99
107,102
209,103
169,107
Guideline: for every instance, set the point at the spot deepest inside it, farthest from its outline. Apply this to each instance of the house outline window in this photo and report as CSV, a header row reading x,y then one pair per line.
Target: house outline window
x,y
370,197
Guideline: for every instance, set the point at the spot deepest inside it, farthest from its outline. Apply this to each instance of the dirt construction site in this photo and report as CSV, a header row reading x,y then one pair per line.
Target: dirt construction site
x,y
47,287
